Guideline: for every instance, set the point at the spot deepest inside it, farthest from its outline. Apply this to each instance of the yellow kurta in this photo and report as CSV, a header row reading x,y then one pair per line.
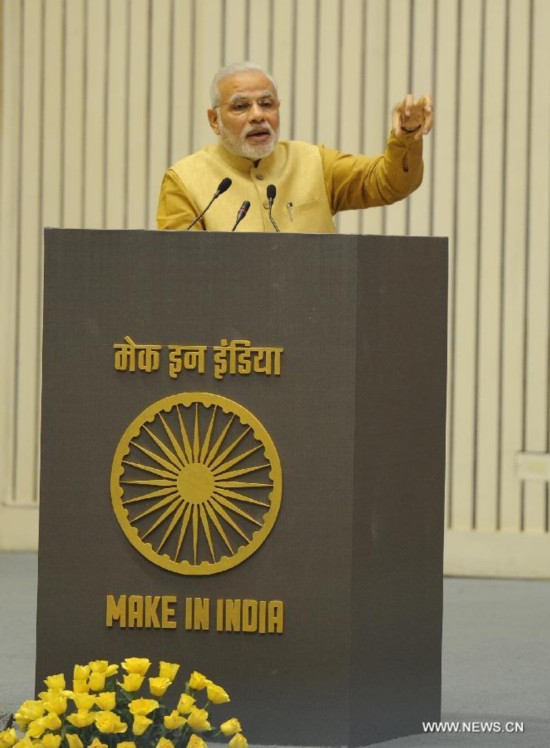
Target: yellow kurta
x,y
313,184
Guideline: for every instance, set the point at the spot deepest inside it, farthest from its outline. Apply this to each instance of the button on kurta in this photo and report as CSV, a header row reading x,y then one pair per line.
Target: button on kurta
x,y
260,176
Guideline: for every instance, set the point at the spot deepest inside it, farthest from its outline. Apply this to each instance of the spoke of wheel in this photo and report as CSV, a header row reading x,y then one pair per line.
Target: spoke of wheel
x,y
183,529
165,464
221,511
151,495
195,532
159,505
206,528
174,458
229,505
229,449
240,497
149,469
174,442
219,441
165,515
208,436
242,471
217,525
236,460
185,438
172,525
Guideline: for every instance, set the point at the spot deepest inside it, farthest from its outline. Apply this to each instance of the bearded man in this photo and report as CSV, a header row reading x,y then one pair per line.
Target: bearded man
x,y
312,182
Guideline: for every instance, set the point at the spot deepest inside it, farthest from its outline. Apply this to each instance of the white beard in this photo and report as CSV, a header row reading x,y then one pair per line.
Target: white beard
x,y
238,146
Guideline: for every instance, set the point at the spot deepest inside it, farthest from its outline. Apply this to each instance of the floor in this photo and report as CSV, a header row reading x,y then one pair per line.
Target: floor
x,y
496,655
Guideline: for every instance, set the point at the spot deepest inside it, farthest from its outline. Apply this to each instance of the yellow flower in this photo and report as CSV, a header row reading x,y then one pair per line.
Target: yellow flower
x,y
56,682
73,740
132,682
139,665
57,704
141,723
196,742
81,685
36,728
216,694
198,719
185,703
81,672
106,700
230,727
8,738
98,666
96,743
238,741
108,722
29,711
168,670
159,686
141,707
126,744
83,701
96,681
198,681
52,721
24,743
174,720
51,741
165,743
82,718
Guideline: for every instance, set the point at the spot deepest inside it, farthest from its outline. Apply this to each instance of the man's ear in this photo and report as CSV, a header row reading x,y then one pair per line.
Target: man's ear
x,y
213,120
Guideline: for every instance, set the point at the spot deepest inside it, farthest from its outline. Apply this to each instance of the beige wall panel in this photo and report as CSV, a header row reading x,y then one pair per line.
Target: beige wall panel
x,y
443,145
182,106
422,79
73,112
497,554
207,61
10,129
395,217
53,114
117,90
514,257
466,267
536,434
138,115
234,32
96,114
304,78
283,60
486,438
328,83
29,271
259,41
375,118
351,116
159,99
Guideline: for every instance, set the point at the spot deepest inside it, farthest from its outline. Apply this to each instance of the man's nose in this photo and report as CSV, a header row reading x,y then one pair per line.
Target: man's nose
x,y
256,111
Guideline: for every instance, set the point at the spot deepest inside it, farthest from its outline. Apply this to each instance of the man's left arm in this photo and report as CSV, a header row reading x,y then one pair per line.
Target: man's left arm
x,y
354,182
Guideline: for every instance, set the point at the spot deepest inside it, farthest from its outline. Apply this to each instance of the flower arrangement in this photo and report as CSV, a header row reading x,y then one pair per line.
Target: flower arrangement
x,y
105,709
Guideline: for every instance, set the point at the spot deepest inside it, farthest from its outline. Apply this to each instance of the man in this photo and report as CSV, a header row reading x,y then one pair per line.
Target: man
x,y
312,182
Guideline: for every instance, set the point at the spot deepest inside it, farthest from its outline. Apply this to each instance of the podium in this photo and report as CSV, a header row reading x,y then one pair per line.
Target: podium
x,y
242,470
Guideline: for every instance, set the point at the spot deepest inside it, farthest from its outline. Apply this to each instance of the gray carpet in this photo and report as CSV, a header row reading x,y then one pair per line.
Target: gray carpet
x,y
496,655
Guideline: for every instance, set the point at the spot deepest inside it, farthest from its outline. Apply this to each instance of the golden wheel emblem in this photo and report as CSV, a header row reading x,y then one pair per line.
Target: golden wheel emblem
x,y
196,483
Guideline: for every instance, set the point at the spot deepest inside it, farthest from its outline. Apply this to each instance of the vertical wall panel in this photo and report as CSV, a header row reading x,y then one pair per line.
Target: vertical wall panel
x,y
259,33
137,167
512,403
466,248
283,60
304,74
73,108
235,41
10,133
486,422
28,277
96,114
538,267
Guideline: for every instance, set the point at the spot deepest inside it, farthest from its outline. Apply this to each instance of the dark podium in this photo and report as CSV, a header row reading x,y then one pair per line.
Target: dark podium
x,y
243,448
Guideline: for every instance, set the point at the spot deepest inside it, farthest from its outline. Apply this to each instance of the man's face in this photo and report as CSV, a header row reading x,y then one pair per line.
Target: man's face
x,y
247,119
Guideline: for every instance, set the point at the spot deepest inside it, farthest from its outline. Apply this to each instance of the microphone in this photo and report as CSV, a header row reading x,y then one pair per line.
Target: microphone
x,y
271,193
224,185
243,210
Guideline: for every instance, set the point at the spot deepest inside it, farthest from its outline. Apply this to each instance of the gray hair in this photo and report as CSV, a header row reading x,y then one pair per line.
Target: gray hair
x,y
237,67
